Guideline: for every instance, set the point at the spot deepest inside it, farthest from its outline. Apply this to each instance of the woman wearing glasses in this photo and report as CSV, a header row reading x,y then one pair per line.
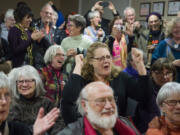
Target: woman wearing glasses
x,y
161,72
16,128
168,100
97,66
28,97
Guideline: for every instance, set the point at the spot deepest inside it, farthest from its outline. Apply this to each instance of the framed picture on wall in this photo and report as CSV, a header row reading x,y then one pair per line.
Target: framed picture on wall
x,y
158,7
144,9
173,7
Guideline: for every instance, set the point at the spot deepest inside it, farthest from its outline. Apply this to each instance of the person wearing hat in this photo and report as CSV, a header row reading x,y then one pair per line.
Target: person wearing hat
x,y
149,38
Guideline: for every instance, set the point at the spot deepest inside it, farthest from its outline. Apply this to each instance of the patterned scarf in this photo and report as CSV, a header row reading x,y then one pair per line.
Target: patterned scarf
x,y
119,52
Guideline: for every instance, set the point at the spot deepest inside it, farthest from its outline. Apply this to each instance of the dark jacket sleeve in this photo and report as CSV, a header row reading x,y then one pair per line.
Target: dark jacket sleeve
x,y
70,94
16,43
138,89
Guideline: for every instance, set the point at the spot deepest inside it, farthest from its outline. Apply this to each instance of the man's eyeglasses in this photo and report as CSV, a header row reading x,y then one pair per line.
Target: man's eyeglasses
x,y
20,82
172,102
102,58
102,101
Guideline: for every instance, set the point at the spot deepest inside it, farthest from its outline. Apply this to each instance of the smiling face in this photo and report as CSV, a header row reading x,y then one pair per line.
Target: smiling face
x,y
5,100
100,107
176,31
172,113
162,77
73,29
58,59
102,62
26,21
26,87
154,23
130,16
46,14
96,19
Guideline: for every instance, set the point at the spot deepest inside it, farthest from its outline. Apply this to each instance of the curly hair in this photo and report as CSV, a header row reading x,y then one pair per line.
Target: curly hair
x,y
22,11
170,26
88,70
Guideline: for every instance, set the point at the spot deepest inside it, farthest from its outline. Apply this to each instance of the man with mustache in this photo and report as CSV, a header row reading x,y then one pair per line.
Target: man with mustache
x,y
96,104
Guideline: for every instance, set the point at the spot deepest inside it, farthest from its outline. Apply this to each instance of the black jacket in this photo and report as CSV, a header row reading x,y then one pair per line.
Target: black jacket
x,y
124,86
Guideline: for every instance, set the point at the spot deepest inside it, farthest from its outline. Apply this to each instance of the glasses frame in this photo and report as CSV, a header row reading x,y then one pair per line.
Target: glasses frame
x,y
27,81
102,58
101,102
171,102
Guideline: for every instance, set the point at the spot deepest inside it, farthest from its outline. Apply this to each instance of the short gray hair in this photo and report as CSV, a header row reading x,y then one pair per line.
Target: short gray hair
x,y
51,52
9,13
85,92
166,91
128,8
4,82
93,14
27,72
79,21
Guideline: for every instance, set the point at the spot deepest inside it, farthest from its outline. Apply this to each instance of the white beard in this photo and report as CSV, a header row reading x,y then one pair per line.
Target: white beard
x,y
105,122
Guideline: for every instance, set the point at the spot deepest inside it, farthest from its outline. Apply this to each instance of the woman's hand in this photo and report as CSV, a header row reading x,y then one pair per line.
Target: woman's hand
x,y
79,64
43,123
137,56
37,35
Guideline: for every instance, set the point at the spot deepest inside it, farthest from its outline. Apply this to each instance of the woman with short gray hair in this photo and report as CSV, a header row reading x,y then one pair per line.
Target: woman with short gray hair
x,y
94,31
28,97
168,100
53,74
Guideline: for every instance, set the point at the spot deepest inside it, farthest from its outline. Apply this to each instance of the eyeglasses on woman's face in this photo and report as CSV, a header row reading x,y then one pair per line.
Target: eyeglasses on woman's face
x,y
172,102
27,81
102,58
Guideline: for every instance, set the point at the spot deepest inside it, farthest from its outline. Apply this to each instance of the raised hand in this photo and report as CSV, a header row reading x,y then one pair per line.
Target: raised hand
x,y
79,63
43,123
137,57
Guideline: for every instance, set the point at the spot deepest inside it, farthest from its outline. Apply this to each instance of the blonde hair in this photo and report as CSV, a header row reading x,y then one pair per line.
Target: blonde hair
x,y
170,26
88,70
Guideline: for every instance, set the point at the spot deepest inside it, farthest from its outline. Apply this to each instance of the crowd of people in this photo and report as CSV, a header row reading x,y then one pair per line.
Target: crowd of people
x,y
87,75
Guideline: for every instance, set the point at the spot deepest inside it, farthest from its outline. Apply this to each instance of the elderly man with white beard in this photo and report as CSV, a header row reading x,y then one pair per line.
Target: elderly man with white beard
x,y
96,104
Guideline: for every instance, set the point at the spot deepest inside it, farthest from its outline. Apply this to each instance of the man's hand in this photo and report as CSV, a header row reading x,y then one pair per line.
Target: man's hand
x,y
43,123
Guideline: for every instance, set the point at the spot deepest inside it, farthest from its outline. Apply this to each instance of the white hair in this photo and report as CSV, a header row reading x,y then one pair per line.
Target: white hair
x,y
9,13
28,72
102,122
4,81
93,14
51,52
128,8
166,91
